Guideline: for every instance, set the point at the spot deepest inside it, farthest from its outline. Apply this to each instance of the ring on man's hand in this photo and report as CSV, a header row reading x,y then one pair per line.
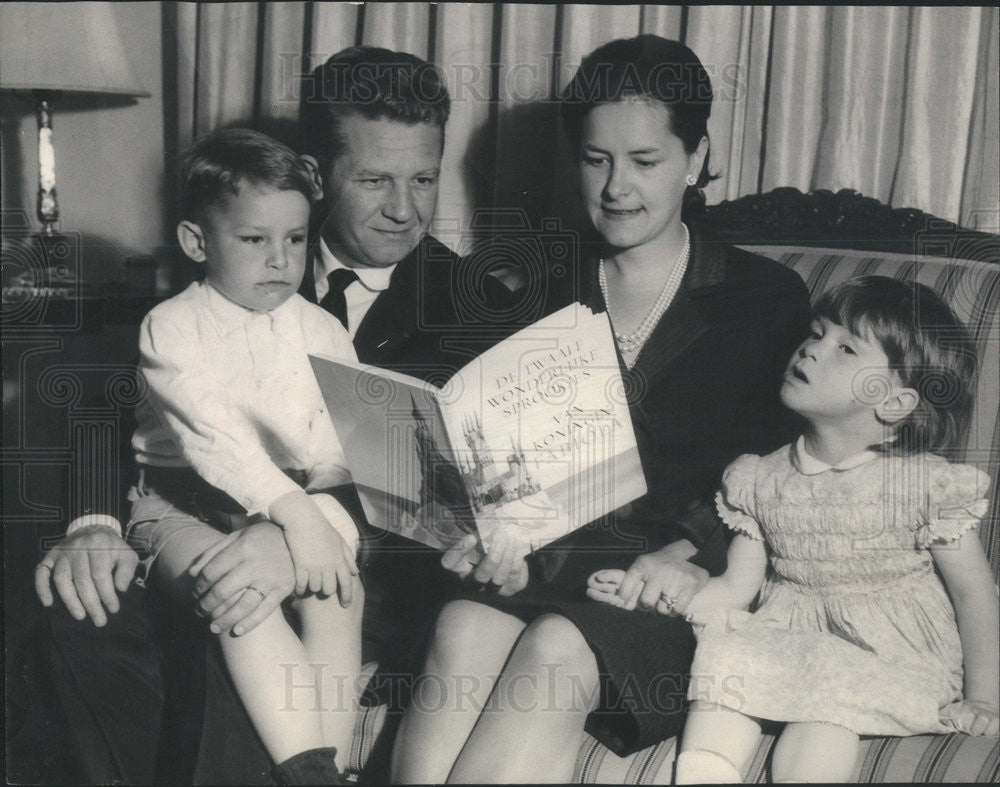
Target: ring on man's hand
x,y
669,601
46,566
256,590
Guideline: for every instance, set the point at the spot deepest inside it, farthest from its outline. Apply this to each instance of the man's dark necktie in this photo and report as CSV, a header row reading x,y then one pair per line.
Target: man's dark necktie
x,y
334,300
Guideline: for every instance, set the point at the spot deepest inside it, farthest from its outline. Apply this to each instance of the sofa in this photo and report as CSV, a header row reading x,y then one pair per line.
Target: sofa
x,y
827,238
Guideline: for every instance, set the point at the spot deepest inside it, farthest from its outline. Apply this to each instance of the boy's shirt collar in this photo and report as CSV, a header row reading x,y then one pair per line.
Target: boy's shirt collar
x,y
373,279
807,464
230,316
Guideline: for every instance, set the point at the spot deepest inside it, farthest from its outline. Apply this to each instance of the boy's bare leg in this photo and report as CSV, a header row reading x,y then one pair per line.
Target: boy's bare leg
x,y
265,664
471,644
331,636
258,662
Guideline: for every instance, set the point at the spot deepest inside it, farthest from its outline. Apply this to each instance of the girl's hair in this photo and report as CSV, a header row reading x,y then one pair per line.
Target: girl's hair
x,y
928,348
650,67
213,168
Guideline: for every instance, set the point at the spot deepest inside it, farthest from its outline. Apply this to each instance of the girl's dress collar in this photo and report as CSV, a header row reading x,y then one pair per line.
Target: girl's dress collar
x,y
807,464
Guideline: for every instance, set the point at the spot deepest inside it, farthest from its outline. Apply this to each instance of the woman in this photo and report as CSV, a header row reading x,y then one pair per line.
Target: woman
x,y
513,679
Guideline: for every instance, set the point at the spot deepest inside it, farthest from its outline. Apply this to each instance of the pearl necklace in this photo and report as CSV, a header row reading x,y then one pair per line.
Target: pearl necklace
x,y
630,343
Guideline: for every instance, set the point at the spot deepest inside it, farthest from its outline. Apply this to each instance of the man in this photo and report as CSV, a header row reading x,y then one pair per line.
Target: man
x,y
373,123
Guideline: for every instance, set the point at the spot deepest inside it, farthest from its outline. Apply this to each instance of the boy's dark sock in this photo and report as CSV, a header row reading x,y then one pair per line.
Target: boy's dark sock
x,y
313,766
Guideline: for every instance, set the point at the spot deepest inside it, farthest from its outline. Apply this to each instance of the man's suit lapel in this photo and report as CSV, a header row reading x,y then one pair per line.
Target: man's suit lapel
x,y
391,322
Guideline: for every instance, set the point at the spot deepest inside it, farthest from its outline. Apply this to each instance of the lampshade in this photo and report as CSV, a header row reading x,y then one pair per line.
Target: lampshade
x,y
72,47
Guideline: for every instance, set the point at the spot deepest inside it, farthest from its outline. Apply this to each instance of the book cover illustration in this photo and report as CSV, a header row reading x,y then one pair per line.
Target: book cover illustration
x,y
534,434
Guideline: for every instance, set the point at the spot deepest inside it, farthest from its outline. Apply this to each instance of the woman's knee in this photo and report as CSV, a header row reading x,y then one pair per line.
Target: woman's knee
x,y
554,665
553,641
460,628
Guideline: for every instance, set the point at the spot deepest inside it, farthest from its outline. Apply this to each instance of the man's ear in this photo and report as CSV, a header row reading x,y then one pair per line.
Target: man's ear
x,y
314,176
192,240
899,404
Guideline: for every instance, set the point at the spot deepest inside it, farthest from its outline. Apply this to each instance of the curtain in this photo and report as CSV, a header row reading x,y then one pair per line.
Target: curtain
x,y
899,103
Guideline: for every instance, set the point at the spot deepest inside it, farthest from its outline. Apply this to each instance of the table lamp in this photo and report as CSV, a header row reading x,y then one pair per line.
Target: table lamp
x,y
85,58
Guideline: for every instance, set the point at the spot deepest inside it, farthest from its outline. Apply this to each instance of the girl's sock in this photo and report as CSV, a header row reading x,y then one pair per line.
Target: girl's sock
x,y
313,766
700,766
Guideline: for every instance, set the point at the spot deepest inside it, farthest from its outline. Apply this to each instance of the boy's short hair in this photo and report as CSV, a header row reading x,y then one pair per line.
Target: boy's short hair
x,y
373,83
928,347
213,168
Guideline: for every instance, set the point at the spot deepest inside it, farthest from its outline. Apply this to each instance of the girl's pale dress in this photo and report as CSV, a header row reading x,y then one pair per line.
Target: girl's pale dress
x,y
853,625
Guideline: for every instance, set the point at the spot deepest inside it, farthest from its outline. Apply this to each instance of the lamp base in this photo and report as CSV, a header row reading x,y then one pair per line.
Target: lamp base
x,y
48,205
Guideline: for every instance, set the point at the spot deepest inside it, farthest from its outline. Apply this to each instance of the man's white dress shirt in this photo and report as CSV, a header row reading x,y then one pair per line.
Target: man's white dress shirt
x,y
360,295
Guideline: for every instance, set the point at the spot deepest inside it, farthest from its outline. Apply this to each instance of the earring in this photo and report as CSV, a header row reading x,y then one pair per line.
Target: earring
x,y
691,180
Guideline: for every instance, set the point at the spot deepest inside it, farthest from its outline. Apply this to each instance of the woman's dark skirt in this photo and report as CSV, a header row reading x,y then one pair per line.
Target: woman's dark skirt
x,y
644,660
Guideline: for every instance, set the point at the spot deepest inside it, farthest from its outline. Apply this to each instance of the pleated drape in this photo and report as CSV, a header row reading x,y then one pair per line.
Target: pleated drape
x,y
899,103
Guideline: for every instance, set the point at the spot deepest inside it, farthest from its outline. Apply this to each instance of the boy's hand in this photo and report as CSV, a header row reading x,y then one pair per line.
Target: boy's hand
x,y
322,559
972,717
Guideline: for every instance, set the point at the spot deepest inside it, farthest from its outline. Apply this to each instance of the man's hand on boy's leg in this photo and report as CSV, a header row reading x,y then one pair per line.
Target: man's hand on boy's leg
x,y
88,568
240,584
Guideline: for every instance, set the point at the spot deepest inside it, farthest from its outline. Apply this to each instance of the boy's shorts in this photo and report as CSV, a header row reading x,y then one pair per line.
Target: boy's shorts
x,y
168,503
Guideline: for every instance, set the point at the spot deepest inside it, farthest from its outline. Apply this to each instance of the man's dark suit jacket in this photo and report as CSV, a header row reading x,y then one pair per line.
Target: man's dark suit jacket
x,y
432,319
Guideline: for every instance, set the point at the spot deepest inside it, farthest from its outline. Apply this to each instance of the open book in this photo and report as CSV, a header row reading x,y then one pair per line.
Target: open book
x,y
535,434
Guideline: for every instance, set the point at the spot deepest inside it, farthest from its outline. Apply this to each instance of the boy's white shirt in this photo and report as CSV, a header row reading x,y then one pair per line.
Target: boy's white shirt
x,y
232,394
359,296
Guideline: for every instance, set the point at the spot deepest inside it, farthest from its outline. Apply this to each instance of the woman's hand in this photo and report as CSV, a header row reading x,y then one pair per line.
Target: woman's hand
x,y
503,565
972,717
662,581
244,578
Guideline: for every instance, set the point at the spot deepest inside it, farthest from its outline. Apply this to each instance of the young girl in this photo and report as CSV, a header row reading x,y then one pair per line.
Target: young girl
x,y
853,633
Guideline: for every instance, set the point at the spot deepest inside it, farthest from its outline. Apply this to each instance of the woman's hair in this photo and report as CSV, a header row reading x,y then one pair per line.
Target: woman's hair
x,y
928,348
649,67
371,82
215,166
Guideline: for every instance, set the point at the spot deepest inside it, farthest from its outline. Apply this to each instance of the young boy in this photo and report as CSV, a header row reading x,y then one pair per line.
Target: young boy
x,y
234,430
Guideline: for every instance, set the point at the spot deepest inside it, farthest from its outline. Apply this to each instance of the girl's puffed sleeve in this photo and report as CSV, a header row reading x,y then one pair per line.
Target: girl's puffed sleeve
x,y
955,502
736,501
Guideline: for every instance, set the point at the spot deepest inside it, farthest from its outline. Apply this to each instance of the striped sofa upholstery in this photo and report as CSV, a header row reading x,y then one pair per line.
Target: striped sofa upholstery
x,y
972,289
921,759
